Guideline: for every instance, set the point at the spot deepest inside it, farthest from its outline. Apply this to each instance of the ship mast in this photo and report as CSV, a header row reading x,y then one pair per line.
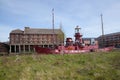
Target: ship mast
x,y
53,26
102,30
102,24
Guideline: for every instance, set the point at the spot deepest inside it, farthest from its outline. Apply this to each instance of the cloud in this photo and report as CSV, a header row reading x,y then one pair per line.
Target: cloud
x,y
85,13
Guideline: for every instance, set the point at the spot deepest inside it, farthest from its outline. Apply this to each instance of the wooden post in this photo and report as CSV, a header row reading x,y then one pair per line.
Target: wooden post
x,y
10,49
19,48
29,48
24,48
15,48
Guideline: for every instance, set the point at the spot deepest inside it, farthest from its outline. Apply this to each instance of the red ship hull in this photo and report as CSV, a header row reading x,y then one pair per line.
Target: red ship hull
x,y
41,50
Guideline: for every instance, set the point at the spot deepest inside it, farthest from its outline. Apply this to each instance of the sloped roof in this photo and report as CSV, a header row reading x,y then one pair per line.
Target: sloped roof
x,y
42,31
111,34
37,31
17,31
117,33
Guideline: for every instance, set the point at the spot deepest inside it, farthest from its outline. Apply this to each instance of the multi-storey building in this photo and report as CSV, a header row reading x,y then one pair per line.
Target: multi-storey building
x,y
107,40
24,41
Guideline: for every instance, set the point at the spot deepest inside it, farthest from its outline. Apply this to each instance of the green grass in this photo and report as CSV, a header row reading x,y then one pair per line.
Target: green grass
x,y
88,66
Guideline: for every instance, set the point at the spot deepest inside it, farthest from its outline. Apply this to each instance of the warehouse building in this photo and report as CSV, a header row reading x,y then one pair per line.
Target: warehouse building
x,y
25,40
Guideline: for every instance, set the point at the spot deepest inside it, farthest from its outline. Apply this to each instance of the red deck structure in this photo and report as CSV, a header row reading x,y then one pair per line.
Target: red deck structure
x,y
71,46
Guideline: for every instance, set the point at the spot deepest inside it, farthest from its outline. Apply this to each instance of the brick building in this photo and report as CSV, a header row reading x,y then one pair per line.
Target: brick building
x,y
4,48
24,41
107,40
